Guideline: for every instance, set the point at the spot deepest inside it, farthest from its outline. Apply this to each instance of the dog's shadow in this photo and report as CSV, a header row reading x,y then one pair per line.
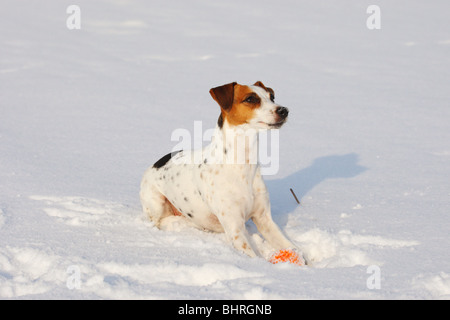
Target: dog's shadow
x,y
304,180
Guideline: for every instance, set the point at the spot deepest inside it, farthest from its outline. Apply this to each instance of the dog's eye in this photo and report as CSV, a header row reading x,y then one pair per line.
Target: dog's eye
x,y
251,99
272,97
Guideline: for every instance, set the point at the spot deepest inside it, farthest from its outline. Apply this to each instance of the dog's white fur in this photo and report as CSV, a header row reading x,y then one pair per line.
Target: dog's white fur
x,y
219,187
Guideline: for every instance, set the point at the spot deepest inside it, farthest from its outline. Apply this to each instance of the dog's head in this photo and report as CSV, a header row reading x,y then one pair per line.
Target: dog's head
x,y
249,105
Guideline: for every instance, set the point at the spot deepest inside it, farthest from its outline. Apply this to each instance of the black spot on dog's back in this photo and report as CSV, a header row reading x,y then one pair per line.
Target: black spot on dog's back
x,y
161,162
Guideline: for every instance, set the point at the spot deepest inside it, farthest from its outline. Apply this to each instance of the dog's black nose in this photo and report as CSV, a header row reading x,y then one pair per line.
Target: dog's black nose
x,y
282,112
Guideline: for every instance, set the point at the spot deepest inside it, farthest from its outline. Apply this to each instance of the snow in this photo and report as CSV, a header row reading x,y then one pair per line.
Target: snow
x,y
366,148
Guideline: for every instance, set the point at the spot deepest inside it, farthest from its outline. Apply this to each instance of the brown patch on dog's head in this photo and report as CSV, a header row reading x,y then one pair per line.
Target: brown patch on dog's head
x,y
244,104
237,103
270,90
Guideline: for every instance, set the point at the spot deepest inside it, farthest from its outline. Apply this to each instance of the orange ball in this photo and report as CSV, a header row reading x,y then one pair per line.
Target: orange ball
x,y
286,255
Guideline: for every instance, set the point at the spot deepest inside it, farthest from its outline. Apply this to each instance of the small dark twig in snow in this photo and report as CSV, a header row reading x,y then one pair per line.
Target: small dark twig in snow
x,y
292,191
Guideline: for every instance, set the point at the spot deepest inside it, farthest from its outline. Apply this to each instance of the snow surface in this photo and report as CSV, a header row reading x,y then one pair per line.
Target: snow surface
x,y
366,149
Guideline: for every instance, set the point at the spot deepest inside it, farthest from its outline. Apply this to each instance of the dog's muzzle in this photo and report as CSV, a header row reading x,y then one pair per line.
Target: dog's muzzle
x,y
282,112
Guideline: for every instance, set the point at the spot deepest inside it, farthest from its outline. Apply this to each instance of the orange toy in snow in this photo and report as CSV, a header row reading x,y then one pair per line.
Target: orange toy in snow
x,y
286,255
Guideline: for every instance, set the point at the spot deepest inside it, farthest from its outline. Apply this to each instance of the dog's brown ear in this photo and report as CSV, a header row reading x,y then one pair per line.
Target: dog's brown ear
x,y
270,90
260,84
224,95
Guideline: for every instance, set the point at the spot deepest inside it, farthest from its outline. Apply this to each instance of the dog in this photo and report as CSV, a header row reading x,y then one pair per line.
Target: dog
x,y
219,187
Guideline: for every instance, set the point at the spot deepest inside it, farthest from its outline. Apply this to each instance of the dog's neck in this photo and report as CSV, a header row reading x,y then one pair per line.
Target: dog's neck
x,y
237,145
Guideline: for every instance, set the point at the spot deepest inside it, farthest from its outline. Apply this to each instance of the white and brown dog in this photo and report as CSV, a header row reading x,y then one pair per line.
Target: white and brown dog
x,y
220,187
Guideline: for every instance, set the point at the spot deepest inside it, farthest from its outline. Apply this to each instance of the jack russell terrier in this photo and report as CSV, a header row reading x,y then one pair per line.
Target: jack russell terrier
x,y
220,187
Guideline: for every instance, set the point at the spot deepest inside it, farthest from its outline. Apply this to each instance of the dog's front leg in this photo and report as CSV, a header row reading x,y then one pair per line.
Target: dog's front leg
x,y
236,233
270,231
262,218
